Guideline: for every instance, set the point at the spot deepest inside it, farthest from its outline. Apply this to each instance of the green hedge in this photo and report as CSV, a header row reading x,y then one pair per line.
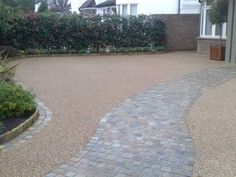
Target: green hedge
x,y
1,128
50,31
15,102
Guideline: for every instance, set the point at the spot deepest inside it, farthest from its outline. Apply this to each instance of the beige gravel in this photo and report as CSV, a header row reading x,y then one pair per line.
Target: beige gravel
x,y
79,91
212,122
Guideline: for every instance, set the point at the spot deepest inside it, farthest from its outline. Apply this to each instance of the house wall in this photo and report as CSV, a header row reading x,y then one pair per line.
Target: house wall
x,y
231,33
88,12
111,10
164,7
211,36
182,31
204,44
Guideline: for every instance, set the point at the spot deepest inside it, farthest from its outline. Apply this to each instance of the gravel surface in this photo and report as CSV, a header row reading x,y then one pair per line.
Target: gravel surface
x,y
212,122
79,91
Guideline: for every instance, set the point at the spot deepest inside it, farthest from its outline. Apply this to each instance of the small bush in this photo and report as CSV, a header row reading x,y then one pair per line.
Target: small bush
x,y
15,102
160,48
61,34
8,51
82,51
1,128
6,72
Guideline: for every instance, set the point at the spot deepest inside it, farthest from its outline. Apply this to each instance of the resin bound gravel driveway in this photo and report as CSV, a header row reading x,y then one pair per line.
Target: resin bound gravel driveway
x,y
80,91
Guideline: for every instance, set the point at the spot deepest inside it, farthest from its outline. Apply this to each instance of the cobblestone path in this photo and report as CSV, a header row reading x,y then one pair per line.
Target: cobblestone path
x,y
146,136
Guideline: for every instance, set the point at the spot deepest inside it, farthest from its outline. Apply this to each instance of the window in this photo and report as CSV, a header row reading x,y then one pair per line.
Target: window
x,y
118,9
209,2
127,9
124,10
207,28
133,9
113,10
217,30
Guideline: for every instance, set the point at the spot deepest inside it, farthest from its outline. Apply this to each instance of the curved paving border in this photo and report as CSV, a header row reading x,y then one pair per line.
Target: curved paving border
x,y
44,116
146,136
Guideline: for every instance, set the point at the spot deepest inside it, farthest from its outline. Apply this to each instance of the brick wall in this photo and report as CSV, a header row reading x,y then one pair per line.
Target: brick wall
x,y
182,31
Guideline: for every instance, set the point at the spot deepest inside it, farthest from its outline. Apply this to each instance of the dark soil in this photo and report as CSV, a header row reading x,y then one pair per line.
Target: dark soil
x,y
11,123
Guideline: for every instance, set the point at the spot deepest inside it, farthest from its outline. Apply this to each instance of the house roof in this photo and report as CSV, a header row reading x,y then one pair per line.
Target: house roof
x,y
107,3
88,4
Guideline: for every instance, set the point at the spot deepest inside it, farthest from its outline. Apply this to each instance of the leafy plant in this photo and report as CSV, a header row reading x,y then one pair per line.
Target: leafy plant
x,y
6,72
9,51
43,7
61,6
160,48
51,32
15,102
219,13
19,5
1,128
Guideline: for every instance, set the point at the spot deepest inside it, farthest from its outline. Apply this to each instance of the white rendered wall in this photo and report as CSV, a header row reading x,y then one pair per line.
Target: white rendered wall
x,y
164,6
152,6
190,7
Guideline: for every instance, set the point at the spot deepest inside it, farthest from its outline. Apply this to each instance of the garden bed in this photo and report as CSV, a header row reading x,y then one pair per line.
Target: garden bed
x,y
11,123
12,127
17,110
62,53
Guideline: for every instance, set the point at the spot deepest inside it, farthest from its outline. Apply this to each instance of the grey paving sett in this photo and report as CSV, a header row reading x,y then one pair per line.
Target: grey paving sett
x,y
146,136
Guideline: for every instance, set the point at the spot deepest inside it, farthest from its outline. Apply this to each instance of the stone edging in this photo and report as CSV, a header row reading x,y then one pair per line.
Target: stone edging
x,y
44,116
91,54
19,129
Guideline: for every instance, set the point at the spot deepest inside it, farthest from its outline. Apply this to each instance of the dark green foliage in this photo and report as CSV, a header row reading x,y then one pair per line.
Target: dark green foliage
x,y
43,6
8,51
219,14
219,11
61,6
25,6
15,102
72,33
1,128
6,72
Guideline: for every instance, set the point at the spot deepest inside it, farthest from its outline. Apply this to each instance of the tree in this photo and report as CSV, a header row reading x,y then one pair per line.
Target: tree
x,y
43,7
61,6
219,14
20,5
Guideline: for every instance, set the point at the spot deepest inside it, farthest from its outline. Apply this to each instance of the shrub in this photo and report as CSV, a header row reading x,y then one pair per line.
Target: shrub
x,y
64,33
6,72
15,102
1,128
8,51
160,48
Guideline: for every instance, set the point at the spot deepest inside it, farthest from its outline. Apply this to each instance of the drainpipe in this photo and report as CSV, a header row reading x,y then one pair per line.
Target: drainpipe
x,y
179,7
231,36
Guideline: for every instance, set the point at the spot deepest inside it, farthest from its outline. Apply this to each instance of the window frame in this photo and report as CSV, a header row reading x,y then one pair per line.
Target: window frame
x,y
213,35
120,9
135,5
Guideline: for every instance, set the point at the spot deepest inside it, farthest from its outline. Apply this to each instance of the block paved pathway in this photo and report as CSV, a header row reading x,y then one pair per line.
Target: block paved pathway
x,y
146,136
